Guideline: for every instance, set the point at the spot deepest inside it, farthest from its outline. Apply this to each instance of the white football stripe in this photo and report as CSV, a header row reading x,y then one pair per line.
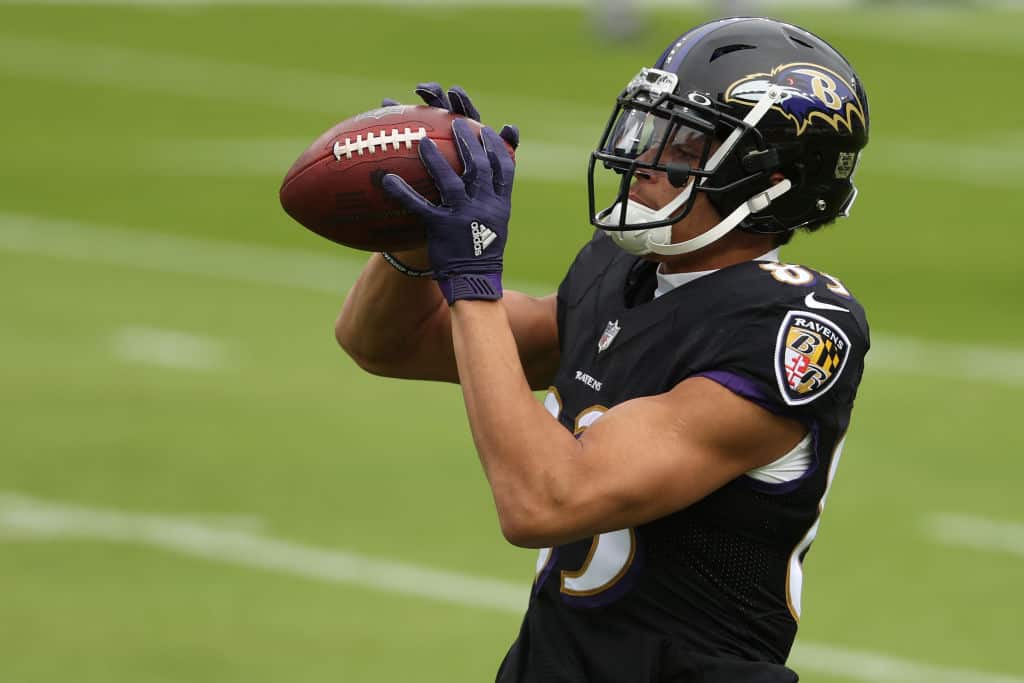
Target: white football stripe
x,y
976,533
25,518
169,348
333,274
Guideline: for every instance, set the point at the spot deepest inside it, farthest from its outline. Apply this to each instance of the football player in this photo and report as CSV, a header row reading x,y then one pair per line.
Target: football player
x,y
699,389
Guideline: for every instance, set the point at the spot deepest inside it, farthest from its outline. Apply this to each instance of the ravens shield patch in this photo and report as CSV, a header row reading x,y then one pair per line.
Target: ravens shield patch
x,y
810,354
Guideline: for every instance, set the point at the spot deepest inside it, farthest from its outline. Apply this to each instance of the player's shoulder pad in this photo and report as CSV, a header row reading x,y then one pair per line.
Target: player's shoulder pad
x,y
822,334
802,331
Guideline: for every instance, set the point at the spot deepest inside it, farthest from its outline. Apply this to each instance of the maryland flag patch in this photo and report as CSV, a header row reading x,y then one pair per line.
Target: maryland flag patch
x,y
809,356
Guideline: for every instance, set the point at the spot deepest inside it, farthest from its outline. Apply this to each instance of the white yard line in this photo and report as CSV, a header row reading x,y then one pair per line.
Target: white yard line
x,y
234,158
24,518
334,94
976,533
912,356
177,254
878,668
999,164
561,154
561,4
922,8
168,348
303,269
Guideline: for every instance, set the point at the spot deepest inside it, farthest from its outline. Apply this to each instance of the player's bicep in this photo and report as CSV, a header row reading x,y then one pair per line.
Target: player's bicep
x,y
652,456
534,325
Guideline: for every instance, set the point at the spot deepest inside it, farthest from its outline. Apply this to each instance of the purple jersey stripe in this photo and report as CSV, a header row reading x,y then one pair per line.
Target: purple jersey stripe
x,y
744,387
741,386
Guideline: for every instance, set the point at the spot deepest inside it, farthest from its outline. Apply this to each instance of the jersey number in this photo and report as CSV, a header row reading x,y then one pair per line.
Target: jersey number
x,y
611,553
789,274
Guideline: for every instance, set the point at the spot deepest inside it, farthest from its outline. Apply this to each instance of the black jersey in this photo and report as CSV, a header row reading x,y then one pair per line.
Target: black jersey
x,y
711,592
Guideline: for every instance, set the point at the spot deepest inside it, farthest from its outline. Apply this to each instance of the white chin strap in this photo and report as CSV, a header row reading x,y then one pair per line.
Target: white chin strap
x,y
662,244
637,242
659,240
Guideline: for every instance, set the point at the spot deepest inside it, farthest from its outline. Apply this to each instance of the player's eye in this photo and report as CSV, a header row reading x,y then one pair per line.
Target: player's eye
x,y
683,153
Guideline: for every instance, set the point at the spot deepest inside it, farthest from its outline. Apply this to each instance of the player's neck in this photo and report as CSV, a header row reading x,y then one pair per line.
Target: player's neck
x,y
736,247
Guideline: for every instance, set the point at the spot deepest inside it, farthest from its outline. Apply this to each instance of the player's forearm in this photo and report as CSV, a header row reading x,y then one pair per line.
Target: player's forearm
x,y
526,454
396,325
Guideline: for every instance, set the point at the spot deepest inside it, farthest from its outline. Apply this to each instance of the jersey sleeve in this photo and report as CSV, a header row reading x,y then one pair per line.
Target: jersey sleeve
x,y
792,360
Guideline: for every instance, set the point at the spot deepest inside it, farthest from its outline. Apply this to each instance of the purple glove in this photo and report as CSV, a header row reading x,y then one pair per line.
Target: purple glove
x,y
466,233
457,102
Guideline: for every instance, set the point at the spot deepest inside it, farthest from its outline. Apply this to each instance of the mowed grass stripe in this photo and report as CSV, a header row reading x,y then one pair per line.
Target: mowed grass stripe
x,y
303,269
561,155
24,517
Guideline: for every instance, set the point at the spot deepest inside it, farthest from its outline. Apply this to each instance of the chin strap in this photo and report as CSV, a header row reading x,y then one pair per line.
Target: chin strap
x,y
759,202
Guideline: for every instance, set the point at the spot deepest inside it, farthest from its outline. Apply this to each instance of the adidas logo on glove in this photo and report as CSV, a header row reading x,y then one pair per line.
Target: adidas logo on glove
x,y
482,237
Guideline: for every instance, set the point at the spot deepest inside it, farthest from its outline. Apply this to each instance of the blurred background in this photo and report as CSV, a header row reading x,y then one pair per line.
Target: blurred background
x,y
196,484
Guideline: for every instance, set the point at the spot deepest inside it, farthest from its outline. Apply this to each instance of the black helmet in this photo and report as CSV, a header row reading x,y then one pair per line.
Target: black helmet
x,y
726,106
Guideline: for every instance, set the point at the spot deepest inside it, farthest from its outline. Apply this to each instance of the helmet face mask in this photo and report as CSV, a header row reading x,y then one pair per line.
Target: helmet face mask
x,y
725,109
656,132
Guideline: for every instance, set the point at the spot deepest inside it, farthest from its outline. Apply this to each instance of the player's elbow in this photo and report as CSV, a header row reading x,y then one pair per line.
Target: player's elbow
x,y
538,532
355,346
522,531
559,510
536,521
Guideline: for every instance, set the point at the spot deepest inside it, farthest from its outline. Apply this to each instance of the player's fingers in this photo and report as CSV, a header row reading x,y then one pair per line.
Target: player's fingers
x,y
503,169
448,182
396,187
433,95
461,104
510,134
474,160
388,102
474,157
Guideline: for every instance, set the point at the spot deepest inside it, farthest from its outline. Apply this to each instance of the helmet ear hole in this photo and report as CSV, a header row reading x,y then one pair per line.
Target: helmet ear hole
x,y
766,160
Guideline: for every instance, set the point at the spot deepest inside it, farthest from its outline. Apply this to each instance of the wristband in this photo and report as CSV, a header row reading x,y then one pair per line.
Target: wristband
x,y
481,287
404,269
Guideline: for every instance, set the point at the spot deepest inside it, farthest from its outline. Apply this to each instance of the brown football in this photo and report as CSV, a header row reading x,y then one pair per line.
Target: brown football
x,y
334,187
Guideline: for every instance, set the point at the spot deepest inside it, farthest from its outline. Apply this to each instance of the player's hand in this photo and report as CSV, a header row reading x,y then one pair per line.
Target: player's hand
x,y
457,102
467,231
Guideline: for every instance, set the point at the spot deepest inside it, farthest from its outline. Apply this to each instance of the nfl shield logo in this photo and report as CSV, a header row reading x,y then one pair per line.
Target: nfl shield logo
x,y
810,354
608,336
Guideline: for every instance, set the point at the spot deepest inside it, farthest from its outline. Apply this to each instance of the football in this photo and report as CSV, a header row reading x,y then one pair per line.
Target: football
x,y
334,187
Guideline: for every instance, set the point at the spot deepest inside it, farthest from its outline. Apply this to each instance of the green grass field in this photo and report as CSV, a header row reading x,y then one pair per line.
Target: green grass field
x,y
238,487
